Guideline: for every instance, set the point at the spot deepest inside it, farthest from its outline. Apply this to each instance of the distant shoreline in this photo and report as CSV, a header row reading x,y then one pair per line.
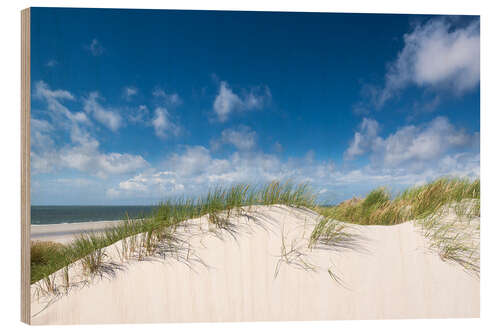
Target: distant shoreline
x,y
53,215
76,222
66,232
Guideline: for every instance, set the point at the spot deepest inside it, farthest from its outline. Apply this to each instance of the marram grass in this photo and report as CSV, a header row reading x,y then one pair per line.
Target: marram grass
x,y
429,206
157,233
160,227
416,202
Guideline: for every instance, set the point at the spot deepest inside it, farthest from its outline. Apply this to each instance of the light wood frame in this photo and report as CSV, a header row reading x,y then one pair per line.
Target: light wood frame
x,y
25,167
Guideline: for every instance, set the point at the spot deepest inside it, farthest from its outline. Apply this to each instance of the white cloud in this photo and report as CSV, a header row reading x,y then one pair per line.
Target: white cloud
x,y
227,102
95,47
40,133
242,137
75,182
421,144
108,117
364,139
51,63
192,162
82,153
129,92
42,90
410,146
44,161
461,164
163,125
425,106
87,158
169,99
139,114
435,55
193,171
60,115
278,147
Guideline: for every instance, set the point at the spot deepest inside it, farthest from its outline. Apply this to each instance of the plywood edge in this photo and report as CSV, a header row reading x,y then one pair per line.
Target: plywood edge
x,y
25,166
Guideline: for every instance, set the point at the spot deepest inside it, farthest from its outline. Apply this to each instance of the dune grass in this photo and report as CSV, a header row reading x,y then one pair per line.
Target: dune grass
x,y
446,210
44,254
330,232
156,234
293,255
417,202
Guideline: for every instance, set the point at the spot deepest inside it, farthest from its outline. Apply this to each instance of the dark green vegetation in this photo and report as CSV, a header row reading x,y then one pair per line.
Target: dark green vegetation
x,y
43,254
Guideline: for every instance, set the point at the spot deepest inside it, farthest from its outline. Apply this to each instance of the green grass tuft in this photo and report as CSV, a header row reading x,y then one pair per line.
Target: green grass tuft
x,y
454,237
414,203
143,237
156,234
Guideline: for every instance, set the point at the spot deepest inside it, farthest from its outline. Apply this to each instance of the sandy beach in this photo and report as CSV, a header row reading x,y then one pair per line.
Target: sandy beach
x,y
386,272
65,232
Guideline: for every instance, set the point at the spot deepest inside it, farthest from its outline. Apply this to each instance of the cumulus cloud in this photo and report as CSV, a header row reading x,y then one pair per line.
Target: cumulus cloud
x,y
364,140
435,55
195,169
82,152
83,155
41,133
460,164
278,147
58,112
425,106
95,48
169,99
227,102
53,97
161,184
159,119
129,92
51,63
139,114
242,137
108,117
424,143
410,146
42,90
74,182
88,158
163,125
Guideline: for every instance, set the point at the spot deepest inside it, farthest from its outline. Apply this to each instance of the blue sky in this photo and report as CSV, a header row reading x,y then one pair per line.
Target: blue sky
x,y
134,106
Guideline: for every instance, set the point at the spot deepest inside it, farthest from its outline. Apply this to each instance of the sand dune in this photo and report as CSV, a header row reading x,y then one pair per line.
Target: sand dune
x,y
384,273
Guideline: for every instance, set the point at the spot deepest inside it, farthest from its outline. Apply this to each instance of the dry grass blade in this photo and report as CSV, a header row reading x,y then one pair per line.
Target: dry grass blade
x,y
293,255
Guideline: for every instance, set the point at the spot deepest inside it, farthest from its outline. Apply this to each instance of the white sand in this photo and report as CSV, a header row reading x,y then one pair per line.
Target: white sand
x,y
390,273
64,233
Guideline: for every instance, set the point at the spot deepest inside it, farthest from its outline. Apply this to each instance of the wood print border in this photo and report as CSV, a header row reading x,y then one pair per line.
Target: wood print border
x,y
25,166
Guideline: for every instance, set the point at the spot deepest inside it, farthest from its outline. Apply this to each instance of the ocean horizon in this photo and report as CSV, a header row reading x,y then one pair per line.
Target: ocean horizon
x,y
55,214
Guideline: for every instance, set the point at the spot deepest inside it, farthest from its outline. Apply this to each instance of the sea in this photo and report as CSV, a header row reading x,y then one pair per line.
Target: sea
x,y
76,214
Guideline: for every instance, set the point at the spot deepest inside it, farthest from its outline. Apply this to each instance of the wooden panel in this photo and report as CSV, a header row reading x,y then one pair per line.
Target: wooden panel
x,y
25,166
